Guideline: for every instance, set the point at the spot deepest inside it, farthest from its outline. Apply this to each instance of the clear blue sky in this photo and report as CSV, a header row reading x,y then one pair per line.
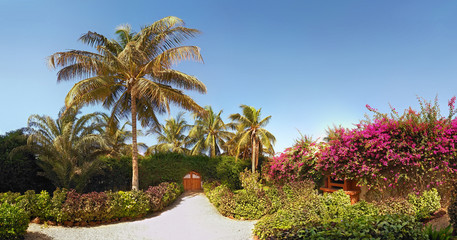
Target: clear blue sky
x,y
309,64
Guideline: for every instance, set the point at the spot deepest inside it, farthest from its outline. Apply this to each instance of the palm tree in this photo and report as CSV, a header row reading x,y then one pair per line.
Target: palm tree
x,y
67,148
132,76
209,133
116,137
171,136
251,132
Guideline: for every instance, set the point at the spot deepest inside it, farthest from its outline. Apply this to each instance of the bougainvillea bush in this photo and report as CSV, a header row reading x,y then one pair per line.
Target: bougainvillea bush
x,y
296,163
413,151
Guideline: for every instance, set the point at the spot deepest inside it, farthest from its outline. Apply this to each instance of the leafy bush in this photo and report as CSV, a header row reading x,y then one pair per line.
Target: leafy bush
x,y
368,227
95,206
162,195
86,207
128,204
300,210
394,206
14,221
223,199
331,216
426,204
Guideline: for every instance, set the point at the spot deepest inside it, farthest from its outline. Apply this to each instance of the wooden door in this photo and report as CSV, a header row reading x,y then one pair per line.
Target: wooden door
x,y
192,181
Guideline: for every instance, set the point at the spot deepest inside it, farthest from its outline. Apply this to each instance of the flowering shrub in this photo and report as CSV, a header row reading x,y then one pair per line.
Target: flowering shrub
x,y
414,151
296,163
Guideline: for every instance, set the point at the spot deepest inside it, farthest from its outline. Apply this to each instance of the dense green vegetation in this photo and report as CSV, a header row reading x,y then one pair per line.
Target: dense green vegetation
x,y
19,170
70,207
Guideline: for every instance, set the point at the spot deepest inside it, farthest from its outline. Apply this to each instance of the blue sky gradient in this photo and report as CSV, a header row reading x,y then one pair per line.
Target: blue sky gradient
x,y
309,64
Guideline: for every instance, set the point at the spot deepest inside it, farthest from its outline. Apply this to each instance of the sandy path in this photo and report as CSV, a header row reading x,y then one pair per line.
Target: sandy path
x,y
191,217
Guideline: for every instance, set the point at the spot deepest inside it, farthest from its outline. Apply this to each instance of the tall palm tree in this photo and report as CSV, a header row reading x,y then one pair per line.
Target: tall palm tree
x,y
67,148
132,76
251,132
171,136
209,133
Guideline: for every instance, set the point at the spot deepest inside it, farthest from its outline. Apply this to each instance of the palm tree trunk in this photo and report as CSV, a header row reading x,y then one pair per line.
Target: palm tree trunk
x,y
135,182
253,161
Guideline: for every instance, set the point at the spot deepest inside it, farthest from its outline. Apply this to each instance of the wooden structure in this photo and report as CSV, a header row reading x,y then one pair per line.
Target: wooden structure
x,y
192,181
348,186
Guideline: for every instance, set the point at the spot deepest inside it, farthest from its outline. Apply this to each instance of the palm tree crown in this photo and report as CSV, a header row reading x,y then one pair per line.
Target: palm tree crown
x,y
171,136
132,76
67,148
251,132
210,133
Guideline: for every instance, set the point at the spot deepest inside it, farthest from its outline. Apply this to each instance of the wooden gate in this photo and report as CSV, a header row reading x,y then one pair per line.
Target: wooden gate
x,y
192,181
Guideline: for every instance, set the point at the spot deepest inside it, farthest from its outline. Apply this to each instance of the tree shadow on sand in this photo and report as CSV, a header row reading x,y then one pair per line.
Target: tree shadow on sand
x,y
37,236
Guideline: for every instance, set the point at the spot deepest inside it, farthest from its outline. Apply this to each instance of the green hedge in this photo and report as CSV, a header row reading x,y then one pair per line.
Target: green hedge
x,y
71,207
14,221
167,167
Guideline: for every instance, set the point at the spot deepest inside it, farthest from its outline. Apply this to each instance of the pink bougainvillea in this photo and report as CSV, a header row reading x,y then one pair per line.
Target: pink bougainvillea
x,y
417,150
295,163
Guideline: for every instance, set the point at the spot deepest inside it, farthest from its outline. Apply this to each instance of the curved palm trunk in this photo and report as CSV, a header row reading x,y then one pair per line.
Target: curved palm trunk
x,y
254,154
135,182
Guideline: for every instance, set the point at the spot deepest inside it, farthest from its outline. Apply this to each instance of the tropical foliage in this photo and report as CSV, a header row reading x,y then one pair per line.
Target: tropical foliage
x,y
252,134
209,133
18,168
171,136
67,149
132,76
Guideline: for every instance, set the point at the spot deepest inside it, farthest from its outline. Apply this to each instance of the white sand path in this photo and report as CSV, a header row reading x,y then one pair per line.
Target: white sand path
x,y
191,217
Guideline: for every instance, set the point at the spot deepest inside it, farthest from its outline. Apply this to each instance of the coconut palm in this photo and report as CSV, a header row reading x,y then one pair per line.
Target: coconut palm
x,y
67,148
132,76
209,133
251,133
117,136
171,136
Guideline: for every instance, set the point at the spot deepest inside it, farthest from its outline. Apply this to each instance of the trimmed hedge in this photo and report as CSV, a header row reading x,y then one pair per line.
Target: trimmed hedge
x,y
70,207
167,167
14,221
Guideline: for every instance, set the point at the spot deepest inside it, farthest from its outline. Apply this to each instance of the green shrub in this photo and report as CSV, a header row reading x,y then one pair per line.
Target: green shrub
x,y
368,227
14,221
396,206
43,207
223,199
128,204
296,214
162,195
426,204
85,207
443,234
334,206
